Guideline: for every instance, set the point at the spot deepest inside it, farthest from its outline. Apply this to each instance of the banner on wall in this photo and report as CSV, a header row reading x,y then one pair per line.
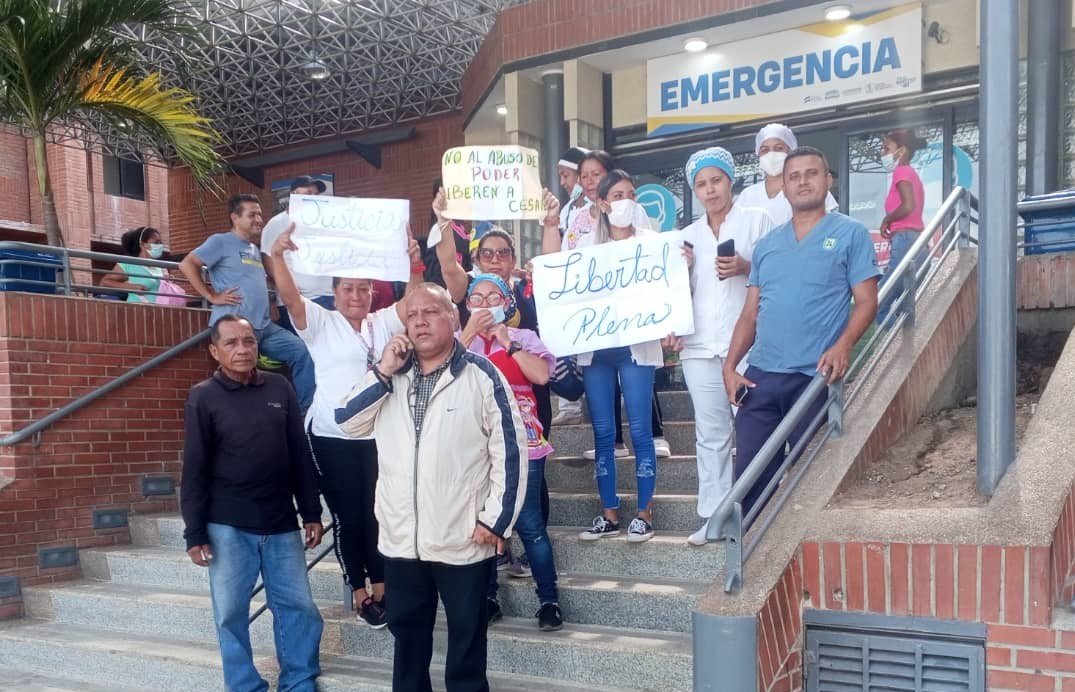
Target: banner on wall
x,y
492,183
350,236
869,56
614,294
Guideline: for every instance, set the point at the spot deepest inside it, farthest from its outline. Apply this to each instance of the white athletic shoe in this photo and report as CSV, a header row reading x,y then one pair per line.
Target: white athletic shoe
x,y
661,449
698,537
620,452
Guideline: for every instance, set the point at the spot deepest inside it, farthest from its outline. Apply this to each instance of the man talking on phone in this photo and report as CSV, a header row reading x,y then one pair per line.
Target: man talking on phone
x,y
246,462
452,450
798,319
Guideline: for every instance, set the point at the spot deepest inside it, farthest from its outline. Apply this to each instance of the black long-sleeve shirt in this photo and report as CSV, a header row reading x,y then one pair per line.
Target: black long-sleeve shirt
x,y
246,459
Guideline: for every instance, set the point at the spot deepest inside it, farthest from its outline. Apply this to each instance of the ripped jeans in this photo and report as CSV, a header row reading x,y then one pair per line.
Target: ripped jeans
x,y
636,381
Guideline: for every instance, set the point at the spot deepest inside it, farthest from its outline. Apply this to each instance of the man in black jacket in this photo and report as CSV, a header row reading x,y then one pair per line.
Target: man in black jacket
x,y
245,463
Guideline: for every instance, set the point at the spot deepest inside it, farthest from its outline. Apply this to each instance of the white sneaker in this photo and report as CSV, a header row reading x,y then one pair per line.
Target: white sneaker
x,y
698,537
661,449
620,452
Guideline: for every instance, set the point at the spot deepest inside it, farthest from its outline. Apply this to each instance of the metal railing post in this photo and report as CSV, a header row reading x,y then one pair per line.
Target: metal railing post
x,y
732,533
836,407
963,224
910,287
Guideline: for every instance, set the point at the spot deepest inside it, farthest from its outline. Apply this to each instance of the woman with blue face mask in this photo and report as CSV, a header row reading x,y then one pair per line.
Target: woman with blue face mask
x,y
142,283
904,204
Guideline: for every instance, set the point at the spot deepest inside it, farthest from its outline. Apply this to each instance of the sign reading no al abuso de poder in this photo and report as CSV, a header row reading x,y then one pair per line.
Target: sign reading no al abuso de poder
x,y
492,183
869,56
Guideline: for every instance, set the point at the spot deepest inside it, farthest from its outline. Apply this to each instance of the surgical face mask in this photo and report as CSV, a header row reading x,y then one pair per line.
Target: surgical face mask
x,y
772,163
576,192
888,161
622,213
156,250
497,312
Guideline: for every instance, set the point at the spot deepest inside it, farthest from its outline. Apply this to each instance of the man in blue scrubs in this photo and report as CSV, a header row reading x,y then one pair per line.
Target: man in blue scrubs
x,y
798,316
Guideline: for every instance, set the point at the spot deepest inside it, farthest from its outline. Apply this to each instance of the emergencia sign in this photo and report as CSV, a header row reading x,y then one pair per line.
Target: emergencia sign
x,y
869,56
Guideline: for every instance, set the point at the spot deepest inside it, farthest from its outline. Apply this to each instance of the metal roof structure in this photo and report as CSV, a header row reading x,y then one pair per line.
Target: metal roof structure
x,y
278,73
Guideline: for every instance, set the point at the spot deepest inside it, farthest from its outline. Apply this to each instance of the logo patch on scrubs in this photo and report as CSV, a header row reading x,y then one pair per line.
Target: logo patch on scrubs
x,y
829,244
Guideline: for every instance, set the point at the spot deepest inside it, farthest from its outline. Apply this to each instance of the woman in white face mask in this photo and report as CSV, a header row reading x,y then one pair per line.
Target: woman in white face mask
x,y
140,281
633,368
772,144
905,202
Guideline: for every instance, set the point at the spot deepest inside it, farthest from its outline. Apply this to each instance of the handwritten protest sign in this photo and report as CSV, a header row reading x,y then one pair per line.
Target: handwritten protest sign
x,y
613,294
349,236
492,183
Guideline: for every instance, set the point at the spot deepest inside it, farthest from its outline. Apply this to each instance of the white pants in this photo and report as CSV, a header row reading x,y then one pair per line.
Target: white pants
x,y
713,424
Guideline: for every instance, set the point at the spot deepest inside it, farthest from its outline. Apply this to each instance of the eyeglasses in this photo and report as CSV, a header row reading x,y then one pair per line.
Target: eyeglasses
x,y
488,253
477,300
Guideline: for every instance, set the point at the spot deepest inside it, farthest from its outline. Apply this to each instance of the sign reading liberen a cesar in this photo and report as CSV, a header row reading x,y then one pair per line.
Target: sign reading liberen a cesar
x,y
869,56
351,237
492,183
613,294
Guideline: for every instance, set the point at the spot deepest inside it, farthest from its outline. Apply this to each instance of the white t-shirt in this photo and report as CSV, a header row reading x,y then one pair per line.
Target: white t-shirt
x,y
309,286
717,304
778,207
340,356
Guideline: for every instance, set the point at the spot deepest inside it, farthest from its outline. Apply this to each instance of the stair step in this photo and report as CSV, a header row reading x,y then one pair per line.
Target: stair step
x,y
660,604
103,660
25,681
615,657
675,406
670,512
573,440
665,556
575,474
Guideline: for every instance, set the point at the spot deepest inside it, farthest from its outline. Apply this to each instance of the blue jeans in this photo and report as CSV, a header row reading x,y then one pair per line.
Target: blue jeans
x,y
238,558
279,344
636,381
533,532
900,244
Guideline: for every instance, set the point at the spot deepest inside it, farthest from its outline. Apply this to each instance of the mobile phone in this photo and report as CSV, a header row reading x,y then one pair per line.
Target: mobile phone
x,y
727,248
687,243
741,394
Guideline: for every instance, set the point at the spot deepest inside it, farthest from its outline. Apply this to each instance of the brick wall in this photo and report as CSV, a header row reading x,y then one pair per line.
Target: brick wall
x,y
407,172
53,349
86,212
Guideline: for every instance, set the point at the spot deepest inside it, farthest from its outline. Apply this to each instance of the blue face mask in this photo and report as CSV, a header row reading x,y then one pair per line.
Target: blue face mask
x,y
498,314
576,192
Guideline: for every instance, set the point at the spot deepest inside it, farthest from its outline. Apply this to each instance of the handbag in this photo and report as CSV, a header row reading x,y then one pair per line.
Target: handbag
x,y
170,293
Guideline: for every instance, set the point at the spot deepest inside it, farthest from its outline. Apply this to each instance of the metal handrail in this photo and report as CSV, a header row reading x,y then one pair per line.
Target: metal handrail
x,y
86,399
309,566
904,285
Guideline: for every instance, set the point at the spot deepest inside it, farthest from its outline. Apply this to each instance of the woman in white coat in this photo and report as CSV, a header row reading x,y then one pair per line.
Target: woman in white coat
x,y
772,144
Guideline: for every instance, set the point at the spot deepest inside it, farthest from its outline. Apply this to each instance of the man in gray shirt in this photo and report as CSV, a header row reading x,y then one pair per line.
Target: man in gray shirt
x,y
237,275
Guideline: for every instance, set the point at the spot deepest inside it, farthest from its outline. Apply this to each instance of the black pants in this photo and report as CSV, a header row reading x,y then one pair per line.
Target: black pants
x,y
410,619
347,474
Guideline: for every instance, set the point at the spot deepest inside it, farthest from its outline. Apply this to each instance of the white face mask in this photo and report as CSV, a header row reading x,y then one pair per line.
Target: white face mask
x,y
576,192
622,213
888,161
772,163
156,250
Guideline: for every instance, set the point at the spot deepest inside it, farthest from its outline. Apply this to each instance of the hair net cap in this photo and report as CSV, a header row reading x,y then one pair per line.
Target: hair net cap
x,y
777,131
711,156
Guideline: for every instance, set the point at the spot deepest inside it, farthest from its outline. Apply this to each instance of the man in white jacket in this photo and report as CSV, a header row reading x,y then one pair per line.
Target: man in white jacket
x,y
452,450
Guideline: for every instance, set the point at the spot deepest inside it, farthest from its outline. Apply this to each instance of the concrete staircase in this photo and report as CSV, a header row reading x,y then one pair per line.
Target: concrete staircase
x,y
141,618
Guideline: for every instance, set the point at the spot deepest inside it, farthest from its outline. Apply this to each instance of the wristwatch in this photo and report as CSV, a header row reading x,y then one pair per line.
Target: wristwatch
x,y
514,347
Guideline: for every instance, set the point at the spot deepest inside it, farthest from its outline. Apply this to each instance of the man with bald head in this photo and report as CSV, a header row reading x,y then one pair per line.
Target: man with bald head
x,y
451,448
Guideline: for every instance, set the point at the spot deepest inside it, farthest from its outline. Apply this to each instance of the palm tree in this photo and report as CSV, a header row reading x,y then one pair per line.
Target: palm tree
x,y
64,64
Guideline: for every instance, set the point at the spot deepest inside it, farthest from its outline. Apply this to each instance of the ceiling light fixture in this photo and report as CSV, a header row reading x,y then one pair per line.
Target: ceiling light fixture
x,y
501,109
316,70
695,45
837,13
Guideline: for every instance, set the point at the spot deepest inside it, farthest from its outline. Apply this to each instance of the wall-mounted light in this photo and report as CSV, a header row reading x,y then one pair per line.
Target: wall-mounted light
x,y
316,70
501,109
837,13
695,45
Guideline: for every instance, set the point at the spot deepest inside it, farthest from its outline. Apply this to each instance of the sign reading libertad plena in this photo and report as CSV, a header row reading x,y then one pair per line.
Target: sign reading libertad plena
x,y
613,294
869,56
490,183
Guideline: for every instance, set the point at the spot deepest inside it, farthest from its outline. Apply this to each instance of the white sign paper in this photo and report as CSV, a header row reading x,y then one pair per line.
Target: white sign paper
x,y
350,236
614,294
873,55
490,183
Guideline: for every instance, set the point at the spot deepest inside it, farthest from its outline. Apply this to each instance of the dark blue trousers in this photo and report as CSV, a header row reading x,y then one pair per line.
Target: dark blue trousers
x,y
762,410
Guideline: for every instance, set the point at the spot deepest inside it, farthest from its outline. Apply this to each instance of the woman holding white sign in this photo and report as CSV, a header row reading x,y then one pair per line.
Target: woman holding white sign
x,y
632,366
345,344
718,247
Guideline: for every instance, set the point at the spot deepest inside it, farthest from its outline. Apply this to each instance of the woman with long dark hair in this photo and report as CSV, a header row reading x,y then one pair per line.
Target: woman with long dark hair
x,y
905,202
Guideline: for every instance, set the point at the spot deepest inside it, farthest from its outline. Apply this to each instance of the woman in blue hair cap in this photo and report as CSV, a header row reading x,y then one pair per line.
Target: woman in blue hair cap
x,y
718,247
524,362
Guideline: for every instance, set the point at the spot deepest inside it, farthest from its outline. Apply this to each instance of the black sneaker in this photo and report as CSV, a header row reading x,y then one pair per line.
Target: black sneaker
x,y
639,531
549,617
373,613
503,561
601,528
494,612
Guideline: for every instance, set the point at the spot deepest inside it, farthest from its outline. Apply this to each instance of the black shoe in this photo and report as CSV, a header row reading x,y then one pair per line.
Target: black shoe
x,y
494,612
373,613
601,528
549,617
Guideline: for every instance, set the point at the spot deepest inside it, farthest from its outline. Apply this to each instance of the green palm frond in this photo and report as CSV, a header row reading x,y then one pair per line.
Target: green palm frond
x,y
145,106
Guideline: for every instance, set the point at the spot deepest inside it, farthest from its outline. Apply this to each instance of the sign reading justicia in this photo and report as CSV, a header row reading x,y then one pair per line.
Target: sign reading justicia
x,y
870,56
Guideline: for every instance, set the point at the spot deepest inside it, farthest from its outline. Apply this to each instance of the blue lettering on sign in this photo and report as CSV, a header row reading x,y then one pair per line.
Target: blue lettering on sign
x,y
633,270
794,71
590,324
